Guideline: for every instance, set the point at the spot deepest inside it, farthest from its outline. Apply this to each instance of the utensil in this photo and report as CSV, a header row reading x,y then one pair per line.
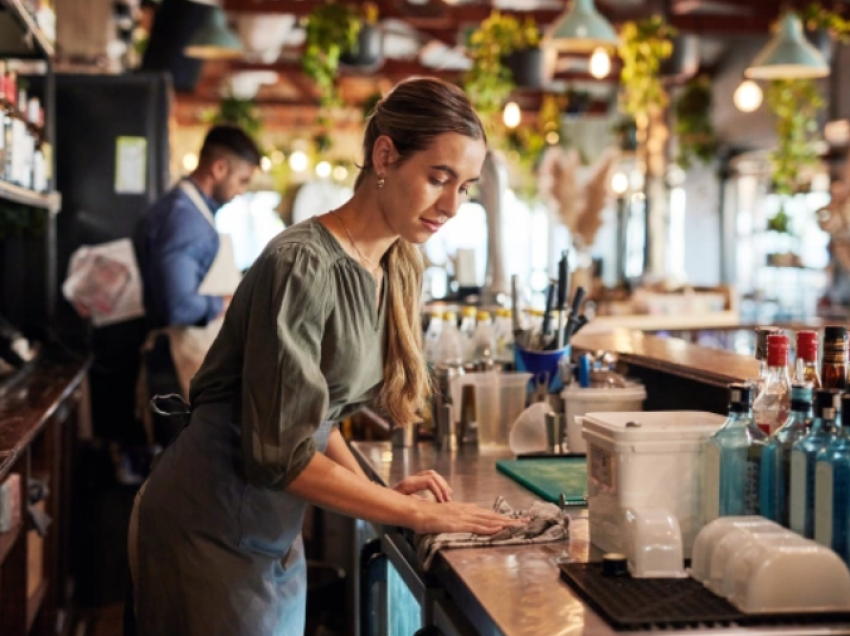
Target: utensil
x,y
563,293
546,327
572,321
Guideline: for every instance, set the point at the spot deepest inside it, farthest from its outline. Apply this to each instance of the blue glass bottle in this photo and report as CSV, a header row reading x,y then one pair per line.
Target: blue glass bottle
x,y
776,458
801,504
731,460
832,488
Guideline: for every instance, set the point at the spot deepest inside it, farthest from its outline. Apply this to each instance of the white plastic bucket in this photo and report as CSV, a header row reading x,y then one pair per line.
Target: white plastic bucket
x,y
578,401
654,465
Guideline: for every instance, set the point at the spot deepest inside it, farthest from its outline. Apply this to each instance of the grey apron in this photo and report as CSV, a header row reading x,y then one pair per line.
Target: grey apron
x,y
210,553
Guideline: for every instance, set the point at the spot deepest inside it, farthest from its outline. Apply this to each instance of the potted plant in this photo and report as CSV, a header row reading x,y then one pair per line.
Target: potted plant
x,y
331,29
644,45
694,128
367,51
525,57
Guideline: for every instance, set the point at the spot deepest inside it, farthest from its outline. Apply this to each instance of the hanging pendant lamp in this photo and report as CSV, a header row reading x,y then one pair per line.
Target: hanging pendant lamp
x,y
788,55
214,40
582,28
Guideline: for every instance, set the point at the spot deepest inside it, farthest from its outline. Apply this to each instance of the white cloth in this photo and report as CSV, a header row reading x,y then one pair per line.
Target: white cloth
x,y
189,345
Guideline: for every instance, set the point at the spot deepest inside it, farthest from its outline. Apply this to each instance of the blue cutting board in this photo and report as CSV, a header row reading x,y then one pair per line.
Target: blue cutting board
x,y
549,477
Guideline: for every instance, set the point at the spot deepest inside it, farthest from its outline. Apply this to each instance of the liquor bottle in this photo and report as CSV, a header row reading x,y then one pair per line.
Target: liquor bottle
x,y
10,91
807,359
834,367
801,503
775,474
770,409
504,336
467,332
732,458
432,336
449,347
483,342
761,355
832,488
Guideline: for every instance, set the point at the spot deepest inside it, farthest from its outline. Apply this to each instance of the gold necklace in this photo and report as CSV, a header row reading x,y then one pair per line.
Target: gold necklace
x,y
363,259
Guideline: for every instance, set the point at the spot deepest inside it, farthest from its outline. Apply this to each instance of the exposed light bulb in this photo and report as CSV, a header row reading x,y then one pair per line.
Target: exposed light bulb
x,y
298,161
512,115
340,173
277,157
600,63
190,161
748,96
265,164
619,183
552,137
323,169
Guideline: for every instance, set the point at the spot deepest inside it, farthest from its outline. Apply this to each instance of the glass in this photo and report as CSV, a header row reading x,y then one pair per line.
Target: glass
x,y
807,370
834,369
771,407
732,459
832,489
804,452
775,475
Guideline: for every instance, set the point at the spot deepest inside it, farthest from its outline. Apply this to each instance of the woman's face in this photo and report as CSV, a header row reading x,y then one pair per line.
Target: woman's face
x,y
425,191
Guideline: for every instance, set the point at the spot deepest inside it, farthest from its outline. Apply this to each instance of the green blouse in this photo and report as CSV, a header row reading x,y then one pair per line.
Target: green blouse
x,y
303,342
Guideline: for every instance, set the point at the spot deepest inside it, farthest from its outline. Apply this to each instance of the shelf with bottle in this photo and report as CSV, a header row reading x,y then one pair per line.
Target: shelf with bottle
x,y
30,26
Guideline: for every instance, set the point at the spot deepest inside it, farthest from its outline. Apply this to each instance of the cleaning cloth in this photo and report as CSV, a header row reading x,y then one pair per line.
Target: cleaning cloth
x,y
546,524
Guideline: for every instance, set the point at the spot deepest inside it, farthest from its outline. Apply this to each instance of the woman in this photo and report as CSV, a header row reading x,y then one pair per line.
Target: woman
x,y
326,321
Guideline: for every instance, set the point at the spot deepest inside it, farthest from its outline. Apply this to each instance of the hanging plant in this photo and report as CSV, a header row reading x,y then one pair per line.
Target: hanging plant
x,y
697,138
237,112
331,29
490,81
643,46
816,17
795,103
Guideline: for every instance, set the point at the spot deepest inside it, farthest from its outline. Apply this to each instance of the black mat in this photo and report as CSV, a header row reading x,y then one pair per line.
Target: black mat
x,y
628,603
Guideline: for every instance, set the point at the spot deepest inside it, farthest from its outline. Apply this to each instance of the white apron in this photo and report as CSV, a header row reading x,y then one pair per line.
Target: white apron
x,y
189,345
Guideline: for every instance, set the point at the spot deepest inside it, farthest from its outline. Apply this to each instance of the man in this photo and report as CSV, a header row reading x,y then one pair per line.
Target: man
x,y
180,242
177,247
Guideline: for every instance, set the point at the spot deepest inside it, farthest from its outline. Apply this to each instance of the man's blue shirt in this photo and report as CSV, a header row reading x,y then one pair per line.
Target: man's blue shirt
x,y
179,248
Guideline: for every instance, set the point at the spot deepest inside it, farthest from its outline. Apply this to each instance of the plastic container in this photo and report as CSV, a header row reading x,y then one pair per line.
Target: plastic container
x,y
654,545
578,401
711,535
528,432
545,366
645,460
499,400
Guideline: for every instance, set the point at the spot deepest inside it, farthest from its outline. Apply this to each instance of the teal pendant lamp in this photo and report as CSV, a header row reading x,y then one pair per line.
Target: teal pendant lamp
x,y
581,28
214,40
788,55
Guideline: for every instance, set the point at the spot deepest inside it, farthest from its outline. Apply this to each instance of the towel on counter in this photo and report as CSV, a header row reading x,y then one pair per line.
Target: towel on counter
x,y
547,523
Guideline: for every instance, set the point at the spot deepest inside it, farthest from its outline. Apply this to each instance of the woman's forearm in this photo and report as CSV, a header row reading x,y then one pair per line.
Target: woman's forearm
x,y
328,484
337,450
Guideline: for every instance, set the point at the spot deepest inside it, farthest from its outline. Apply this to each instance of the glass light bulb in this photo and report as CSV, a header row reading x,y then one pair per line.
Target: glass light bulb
x,y
298,161
340,173
190,161
512,115
323,169
600,63
265,164
748,96
619,183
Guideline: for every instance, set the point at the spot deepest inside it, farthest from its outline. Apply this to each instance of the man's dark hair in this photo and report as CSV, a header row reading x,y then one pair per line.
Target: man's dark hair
x,y
232,140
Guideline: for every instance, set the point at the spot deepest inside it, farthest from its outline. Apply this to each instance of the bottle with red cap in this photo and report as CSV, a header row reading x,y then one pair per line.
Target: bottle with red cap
x,y
807,371
771,408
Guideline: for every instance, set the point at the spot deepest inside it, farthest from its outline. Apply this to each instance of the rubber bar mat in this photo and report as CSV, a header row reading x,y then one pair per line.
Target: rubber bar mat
x,y
639,604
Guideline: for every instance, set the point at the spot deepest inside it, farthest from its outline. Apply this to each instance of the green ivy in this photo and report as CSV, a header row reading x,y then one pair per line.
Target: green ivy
x,y
796,104
697,138
643,46
237,112
817,17
331,30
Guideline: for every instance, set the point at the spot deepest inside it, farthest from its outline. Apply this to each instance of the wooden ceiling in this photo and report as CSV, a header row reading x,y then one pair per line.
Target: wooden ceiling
x,y
293,100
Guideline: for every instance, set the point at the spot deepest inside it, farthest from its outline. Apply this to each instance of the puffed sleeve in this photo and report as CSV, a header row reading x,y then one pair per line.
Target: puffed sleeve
x,y
284,393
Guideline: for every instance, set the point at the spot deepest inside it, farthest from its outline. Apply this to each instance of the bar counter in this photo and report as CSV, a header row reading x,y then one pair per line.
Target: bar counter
x,y
517,590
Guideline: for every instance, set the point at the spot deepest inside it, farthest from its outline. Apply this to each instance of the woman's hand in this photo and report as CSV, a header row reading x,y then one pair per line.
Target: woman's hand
x,y
454,516
426,480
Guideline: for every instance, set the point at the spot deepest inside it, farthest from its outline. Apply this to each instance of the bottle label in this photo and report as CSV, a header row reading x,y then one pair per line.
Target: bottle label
x,y
797,498
603,468
823,503
711,483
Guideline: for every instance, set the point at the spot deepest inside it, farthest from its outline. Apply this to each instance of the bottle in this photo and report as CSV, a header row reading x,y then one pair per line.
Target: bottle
x,y
504,336
467,331
761,355
834,367
776,458
827,406
432,336
832,488
483,342
10,91
732,458
807,359
449,349
770,409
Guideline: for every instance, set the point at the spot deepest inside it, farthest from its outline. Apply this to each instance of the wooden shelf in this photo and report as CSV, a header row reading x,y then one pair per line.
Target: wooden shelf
x,y
28,22
51,201
7,540
34,604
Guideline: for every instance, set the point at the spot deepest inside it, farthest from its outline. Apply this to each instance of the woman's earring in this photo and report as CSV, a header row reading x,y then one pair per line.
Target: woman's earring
x,y
381,182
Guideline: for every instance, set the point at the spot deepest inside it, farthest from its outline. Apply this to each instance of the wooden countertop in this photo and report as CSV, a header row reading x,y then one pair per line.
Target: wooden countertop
x,y
671,355
28,403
